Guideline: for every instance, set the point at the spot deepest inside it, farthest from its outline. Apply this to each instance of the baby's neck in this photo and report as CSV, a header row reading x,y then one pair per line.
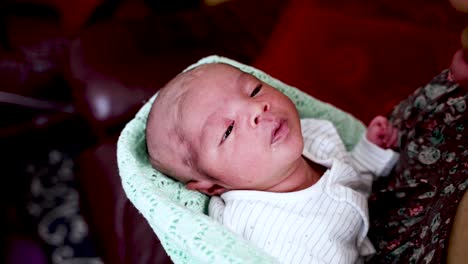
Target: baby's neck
x,y
312,173
306,174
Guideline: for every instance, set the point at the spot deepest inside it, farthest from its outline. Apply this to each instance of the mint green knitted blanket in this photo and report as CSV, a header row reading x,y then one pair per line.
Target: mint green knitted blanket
x,y
177,215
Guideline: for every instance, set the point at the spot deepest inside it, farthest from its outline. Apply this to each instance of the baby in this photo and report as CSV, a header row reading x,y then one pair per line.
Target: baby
x,y
287,185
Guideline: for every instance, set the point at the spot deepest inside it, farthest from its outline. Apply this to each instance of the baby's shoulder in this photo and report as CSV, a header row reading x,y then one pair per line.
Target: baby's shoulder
x,y
314,122
321,140
319,129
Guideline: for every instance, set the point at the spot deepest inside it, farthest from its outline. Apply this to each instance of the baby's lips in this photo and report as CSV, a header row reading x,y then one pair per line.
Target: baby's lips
x,y
276,126
280,130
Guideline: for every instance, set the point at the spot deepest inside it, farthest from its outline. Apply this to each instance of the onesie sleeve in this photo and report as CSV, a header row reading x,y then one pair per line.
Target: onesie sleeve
x,y
216,208
370,158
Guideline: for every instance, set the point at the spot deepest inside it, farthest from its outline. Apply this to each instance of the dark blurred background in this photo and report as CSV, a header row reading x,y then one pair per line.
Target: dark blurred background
x,y
72,73
41,129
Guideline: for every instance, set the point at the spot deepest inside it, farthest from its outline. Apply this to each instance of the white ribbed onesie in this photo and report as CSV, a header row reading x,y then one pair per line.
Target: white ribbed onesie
x,y
325,223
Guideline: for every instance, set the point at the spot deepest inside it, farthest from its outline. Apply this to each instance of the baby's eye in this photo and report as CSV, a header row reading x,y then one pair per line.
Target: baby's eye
x,y
228,131
256,90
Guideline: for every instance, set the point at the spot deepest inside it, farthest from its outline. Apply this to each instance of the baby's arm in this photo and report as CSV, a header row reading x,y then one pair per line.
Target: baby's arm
x,y
373,155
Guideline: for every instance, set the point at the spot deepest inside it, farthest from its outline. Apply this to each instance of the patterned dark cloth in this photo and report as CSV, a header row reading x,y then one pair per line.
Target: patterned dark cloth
x,y
412,210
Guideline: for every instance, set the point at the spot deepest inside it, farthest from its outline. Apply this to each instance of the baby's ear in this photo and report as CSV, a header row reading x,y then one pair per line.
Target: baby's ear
x,y
205,187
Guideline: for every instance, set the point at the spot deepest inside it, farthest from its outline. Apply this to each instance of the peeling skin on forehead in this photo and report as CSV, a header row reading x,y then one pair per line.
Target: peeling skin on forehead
x,y
170,151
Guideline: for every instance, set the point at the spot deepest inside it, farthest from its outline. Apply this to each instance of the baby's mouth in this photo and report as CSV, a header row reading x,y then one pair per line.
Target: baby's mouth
x,y
280,131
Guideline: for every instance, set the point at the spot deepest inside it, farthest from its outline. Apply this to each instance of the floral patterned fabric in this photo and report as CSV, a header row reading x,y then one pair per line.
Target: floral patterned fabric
x,y
412,211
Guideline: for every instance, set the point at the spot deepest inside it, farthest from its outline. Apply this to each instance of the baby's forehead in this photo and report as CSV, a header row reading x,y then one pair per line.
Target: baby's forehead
x,y
200,88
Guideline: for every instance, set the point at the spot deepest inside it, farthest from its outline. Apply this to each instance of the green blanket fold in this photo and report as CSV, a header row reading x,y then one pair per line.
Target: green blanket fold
x,y
176,214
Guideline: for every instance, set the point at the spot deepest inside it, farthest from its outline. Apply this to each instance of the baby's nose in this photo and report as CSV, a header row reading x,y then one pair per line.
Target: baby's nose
x,y
259,114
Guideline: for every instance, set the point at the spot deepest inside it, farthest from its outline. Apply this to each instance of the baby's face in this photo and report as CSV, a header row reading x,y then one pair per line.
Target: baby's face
x,y
244,133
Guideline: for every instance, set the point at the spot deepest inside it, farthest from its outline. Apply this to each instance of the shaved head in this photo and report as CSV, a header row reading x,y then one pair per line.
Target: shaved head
x,y
169,150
